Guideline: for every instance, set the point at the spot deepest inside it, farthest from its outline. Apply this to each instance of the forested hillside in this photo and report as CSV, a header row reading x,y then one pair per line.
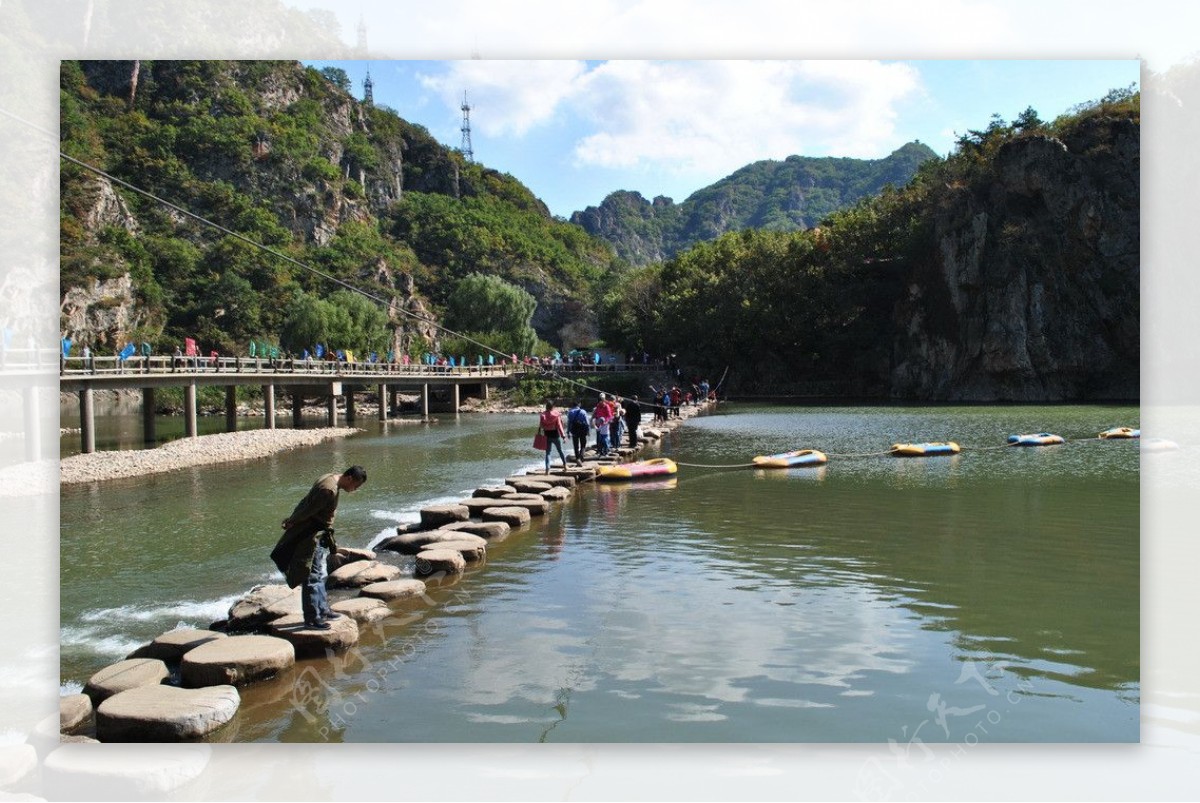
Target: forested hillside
x,y
787,195
285,156
1008,271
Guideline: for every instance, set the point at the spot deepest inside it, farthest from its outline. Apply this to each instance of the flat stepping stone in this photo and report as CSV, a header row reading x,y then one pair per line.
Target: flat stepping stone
x,y
251,610
484,529
436,515
476,505
75,738
345,555
236,660
494,491
171,646
434,561
165,713
341,635
531,486
512,516
393,590
472,550
364,610
525,496
537,506
74,712
124,675
412,543
556,494
18,763
357,575
560,477
285,606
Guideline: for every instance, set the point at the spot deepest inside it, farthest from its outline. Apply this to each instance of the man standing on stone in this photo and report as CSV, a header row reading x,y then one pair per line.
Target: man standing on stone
x,y
633,419
308,541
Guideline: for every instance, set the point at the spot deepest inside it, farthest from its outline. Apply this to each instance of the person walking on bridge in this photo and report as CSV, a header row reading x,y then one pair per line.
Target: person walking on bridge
x,y
307,542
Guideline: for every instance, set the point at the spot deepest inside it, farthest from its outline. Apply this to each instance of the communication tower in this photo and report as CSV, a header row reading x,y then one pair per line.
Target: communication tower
x,y
466,130
368,89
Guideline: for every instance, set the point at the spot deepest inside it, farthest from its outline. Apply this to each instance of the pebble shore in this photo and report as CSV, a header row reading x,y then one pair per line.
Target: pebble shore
x,y
186,452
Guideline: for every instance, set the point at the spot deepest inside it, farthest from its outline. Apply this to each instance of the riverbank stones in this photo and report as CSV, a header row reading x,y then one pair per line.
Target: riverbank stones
x,y
434,561
124,675
171,646
165,713
251,611
412,543
556,494
357,575
494,491
364,610
436,515
74,713
394,590
484,529
341,635
512,516
236,660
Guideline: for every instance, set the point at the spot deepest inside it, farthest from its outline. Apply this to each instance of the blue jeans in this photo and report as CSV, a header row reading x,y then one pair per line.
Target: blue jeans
x,y
313,599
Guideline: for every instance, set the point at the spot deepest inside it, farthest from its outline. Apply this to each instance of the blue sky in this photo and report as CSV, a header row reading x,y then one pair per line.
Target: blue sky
x,y
574,131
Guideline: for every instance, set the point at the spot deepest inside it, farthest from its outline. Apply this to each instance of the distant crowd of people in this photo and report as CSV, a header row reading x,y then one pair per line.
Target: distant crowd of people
x,y
612,420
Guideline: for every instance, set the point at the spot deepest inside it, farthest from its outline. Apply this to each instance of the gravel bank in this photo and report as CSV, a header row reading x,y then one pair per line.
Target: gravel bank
x,y
185,452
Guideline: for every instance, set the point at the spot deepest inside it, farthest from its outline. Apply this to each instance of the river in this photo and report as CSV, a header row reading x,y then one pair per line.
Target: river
x,y
991,596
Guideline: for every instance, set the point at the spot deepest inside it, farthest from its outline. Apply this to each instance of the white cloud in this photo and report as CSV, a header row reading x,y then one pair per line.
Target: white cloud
x,y
701,117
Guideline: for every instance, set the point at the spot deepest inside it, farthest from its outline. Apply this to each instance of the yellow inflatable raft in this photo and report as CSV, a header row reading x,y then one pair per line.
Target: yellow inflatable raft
x,y
643,469
924,449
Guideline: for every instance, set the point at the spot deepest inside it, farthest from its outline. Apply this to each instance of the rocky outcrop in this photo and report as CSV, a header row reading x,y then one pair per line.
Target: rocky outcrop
x,y
1030,291
100,315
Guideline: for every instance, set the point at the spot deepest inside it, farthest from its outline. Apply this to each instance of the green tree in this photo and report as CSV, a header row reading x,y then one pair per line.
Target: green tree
x,y
337,76
488,304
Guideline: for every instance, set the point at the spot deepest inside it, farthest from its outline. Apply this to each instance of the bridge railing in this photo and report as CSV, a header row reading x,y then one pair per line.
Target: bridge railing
x,y
112,365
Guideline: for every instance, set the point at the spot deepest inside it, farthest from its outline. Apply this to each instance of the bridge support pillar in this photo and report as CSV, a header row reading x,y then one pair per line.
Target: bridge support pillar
x,y
335,390
189,409
297,409
425,400
87,421
269,406
486,390
456,400
383,402
231,408
149,429
351,412
33,426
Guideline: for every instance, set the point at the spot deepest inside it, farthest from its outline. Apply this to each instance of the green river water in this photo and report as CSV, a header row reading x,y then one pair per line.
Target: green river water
x,y
992,596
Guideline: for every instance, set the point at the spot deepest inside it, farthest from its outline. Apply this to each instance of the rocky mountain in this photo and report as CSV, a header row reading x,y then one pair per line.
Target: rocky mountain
x,y
787,195
285,156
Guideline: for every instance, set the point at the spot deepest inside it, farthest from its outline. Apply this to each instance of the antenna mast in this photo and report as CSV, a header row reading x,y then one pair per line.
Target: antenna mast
x,y
466,130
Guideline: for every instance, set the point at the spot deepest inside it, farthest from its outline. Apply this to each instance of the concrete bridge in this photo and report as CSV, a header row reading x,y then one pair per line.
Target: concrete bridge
x,y
297,377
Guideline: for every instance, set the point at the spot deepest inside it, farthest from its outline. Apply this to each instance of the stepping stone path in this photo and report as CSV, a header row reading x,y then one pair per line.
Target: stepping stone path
x,y
394,590
124,675
512,516
565,480
484,529
171,646
556,494
432,561
341,635
365,610
74,712
472,551
236,660
531,486
356,575
437,515
250,611
412,543
165,713
537,506
494,491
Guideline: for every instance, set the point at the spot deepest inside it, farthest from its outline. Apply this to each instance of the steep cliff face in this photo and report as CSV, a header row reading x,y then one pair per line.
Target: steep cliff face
x,y
1029,288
